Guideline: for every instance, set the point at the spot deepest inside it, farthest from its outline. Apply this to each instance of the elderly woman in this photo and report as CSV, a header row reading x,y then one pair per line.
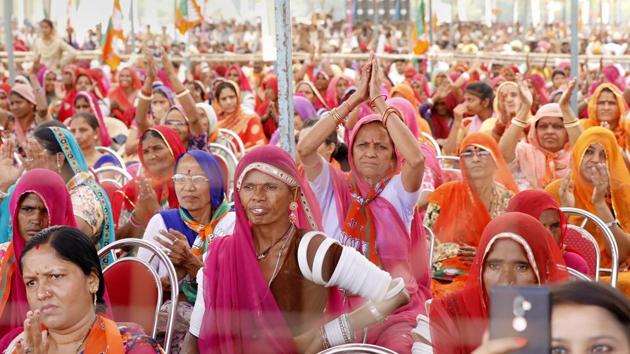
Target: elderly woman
x,y
31,211
186,232
373,207
255,281
544,155
607,108
65,290
599,182
458,211
515,250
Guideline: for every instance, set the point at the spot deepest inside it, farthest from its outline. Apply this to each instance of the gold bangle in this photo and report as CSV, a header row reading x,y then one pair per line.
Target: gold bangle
x,y
143,97
388,112
575,123
336,116
182,94
371,103
519,123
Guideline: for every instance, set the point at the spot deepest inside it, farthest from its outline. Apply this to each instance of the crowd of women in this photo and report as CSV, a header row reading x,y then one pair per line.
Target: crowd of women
x,y
282,255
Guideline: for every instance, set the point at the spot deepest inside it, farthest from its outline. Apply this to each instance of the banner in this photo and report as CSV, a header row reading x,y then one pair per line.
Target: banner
x,y
114,31
187,15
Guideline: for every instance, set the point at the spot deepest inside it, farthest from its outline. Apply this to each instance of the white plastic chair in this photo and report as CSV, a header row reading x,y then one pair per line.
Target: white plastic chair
x,y
121,176
234,139
431,236
111,152
450,165
434,143
357,349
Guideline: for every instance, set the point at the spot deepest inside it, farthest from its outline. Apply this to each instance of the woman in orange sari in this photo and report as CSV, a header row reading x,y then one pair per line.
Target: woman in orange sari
x,y
227,104
458,211
599,183
607,108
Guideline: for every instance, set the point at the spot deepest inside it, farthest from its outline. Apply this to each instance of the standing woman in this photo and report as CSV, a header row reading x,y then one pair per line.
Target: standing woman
x,y
40,200
227,104
372,208
123,96
54,51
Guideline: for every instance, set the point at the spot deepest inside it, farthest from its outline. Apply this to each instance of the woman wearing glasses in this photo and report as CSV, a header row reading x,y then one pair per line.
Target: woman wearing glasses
x,y
458,211
185,232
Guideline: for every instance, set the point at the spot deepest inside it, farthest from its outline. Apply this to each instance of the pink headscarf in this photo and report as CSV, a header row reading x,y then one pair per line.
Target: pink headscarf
x,y
104,137
239,305
409,113
331,92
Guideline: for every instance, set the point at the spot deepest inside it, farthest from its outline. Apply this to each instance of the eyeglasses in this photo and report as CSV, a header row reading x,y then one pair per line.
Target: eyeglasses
x,y
481,154
197,181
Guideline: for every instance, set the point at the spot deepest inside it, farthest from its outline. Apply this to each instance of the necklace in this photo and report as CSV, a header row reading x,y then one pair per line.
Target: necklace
x,y
86,335
275,268
262,255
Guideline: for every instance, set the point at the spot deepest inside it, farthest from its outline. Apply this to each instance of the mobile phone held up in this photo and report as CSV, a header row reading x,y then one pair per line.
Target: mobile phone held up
x,y
523,312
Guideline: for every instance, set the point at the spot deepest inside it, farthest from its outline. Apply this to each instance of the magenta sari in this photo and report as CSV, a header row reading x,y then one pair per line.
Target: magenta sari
x,y
241,314
104,137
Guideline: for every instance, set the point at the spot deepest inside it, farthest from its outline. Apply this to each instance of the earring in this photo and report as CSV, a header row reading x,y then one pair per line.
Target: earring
x,y
292,208
94,298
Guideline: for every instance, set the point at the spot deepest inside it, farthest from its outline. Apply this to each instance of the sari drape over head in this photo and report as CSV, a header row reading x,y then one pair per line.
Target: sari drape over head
x,y
622,131
119,95
332,99
319,100
104,137
247,125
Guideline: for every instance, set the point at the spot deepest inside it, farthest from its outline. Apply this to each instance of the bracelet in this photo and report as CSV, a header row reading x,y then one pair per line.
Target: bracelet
x,y
371,103
337,117
375,312
182,94
575,123
339,331
388,112
519,123
346,328
142,96
325,342
133,221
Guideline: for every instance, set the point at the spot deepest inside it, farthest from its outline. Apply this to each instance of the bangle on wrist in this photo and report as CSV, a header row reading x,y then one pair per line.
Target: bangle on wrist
x,y
519,123
388,112
572,124
145,97
371,104
182,94
378,316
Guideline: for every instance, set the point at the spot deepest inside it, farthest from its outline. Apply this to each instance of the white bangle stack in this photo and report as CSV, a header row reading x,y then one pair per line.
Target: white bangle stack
x,y
339,331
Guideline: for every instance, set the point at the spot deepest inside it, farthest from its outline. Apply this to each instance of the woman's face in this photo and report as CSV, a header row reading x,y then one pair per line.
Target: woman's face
x,y
227,100
266,199
20,107
512,100
57,287
45,29
306,92
550,219
607,109
478,163
81,105
584,329
342,86
203,119
594,156
32,216
125,79
473,103
159,105
507,265
551,133
68,78
234,76
176,120
84,83
373,152
191,185
321,83
157,156
86,136
4,100
194,91
49,82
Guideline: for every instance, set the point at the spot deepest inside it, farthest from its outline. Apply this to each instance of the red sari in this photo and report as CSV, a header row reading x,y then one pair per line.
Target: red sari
x,y
459,321
263,107
119,96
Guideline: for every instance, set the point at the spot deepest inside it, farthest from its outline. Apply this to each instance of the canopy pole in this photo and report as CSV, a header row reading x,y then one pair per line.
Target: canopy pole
x,y
284,71
574,49
8,39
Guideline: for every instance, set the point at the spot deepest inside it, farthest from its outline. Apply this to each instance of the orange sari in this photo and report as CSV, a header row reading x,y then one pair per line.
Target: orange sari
x,y
247,125
457,214
622,132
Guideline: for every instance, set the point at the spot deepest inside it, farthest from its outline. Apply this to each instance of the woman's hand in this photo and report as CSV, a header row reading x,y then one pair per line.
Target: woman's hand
x,y
565,99
466,253
168,65
504,116
37,64
36,156
177,248
500,346
601,183
150,64
310,342
10,172
147,203
35,340
363,88
375,77
567,198
525,94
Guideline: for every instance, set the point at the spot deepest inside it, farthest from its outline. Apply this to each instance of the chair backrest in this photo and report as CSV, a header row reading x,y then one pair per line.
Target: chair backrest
x,y
580,241
576,275
115,127
236,140
434,144
107,151
611,242
358,349
135,289
109,172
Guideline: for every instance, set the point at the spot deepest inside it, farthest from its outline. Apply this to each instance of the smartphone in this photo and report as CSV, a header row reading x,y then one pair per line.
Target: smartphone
x,y
523,312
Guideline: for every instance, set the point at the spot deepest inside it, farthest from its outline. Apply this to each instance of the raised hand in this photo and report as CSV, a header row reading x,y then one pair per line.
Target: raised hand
x,y
601,183
35,339
375,77
567,196
525,94
10,172
363,88
147,203
565,99
37,64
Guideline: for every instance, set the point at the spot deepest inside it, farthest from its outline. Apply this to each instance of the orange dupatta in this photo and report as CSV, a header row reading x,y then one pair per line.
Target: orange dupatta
x,y
622,132
246,125
583,192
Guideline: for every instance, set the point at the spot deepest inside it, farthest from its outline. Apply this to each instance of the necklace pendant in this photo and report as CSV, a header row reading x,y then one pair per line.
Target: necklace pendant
x,y
261,256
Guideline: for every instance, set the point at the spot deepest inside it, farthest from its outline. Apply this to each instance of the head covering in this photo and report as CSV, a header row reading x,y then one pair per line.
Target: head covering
x,y
6,88
497,97
622,131
262,105
332,100
319,100
535,202
243,83
617,173
119,95
213,122
410,115
159,87
246,125
459,320
104,137
239,302
304,108
51,189
82,176
24,91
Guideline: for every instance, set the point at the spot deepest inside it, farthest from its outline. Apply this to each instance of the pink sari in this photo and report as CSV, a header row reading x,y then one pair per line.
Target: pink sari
x,y
104,137
241,315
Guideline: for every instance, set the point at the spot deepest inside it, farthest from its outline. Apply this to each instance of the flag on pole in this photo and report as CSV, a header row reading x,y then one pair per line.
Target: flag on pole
x,y
114,30
187,15
419,42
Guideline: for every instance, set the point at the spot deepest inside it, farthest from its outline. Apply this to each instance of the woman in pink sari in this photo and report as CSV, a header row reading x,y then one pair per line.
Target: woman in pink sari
x,y
336,88
271,285
373,208
86,102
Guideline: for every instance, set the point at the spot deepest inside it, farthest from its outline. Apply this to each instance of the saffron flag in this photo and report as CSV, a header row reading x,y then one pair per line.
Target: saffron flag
x,y
187,15
114,31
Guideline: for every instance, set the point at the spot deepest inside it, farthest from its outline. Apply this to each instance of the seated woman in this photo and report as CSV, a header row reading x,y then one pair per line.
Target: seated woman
x,y
267,106
336,89
66,314
153,190
57,150
124,96
607,109
227,105
507,103
584,315
308,90
544,155
515,250
85,128
236,75
263,273
543,207
208,120
373,208
186,232
86,102
458,211
31,211
599,183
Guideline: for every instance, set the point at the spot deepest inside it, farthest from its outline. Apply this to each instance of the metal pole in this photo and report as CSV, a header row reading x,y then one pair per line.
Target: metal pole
x,y
8,39
525,22
133,29
375,26
285,75
574,48
430,22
